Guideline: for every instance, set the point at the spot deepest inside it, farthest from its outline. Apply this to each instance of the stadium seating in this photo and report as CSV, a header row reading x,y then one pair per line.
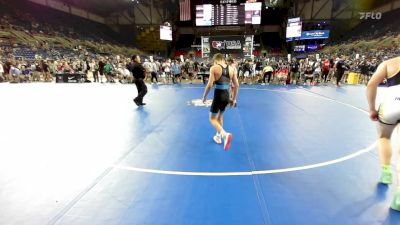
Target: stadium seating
x,y
36,27
369,35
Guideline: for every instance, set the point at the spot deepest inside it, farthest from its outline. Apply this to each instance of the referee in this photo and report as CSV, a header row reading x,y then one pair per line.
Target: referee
x,y
138,72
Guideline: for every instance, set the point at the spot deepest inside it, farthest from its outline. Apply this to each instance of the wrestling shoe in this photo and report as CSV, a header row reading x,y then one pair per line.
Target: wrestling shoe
x,y
217,139
227,141
386,177
396,201
136,102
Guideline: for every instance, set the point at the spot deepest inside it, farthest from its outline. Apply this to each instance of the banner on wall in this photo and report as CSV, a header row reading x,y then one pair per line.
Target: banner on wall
x,y
205,47
238,46
312,47
299,48
227,45
314,34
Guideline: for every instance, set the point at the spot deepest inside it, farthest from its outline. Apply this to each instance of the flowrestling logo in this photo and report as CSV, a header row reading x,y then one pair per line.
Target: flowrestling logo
x,y
218,45
229,45
370,15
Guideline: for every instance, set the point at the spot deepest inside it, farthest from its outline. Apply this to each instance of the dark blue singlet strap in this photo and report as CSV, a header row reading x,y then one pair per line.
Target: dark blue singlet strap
x,y
220,84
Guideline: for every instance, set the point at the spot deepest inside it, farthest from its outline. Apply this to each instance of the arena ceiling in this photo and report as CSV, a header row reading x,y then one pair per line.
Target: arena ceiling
x,y
106,7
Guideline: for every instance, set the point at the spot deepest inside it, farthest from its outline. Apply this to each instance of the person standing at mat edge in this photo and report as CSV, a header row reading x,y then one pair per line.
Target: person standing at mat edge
x,y
221,74
138,72
388,117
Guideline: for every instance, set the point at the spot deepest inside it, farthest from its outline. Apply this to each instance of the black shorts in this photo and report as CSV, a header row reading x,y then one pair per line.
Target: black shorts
x,y
220,101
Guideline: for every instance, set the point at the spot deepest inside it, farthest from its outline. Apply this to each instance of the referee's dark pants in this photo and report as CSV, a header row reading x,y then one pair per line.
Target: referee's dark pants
x,y
339,75
142,90
269,75
154,76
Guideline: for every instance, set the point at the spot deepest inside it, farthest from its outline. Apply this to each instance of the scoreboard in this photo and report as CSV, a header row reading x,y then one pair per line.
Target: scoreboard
x,y
229,14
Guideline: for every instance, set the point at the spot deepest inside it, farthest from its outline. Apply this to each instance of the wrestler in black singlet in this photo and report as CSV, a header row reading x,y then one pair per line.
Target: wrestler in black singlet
x,y
221,93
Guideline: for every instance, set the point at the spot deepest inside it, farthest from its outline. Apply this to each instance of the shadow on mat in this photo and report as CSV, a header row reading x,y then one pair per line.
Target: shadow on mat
x,y
372,210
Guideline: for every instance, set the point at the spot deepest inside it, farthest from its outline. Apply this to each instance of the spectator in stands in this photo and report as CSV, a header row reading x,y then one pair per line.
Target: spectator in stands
x,y
166,69
196,68
15,74
52,67
121,74
44,68
60,66
317,70
267,72
258,69
282,74
25,74
340,67
84,66
127,74
154,70
332,69
102,65
190,70
184,69
94,70
247,71
66,67
35,72
294,71
74,65
308,75
205,70
158,64
2,79
6,68
147,66
176,70
363,66
326,66
85,69
108,72
302,68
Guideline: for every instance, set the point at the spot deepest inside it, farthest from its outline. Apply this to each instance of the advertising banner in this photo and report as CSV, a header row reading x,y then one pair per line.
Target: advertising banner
x,y
205,47
312,47
299,48
227,45
314,34
237,46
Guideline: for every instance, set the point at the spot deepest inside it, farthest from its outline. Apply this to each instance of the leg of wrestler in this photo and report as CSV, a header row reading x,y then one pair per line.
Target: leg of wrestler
x,y
385,155
396,201
220,119
214,112
214,120
221,100
384,145
385,150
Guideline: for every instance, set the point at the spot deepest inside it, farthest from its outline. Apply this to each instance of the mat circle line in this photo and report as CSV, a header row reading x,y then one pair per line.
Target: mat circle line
x,y
261,172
